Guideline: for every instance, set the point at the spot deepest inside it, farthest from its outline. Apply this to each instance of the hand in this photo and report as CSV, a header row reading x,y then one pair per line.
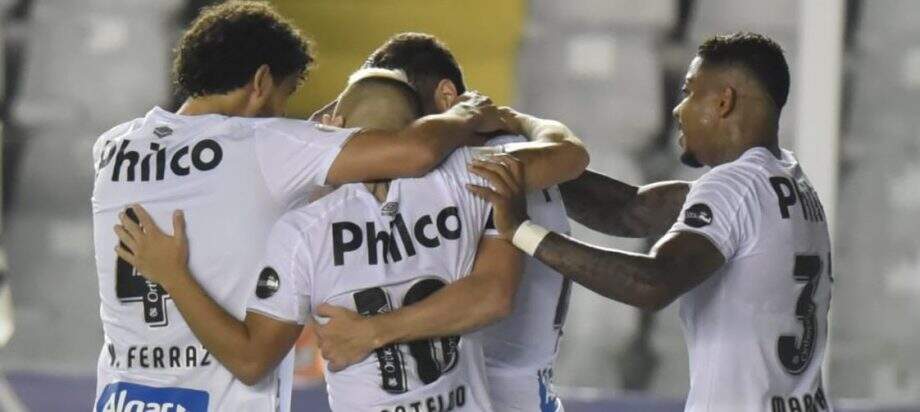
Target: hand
x,y
157,256
506,174
482,112
513,119
346,338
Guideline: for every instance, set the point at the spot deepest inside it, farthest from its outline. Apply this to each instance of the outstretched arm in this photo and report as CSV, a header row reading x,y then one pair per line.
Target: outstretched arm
x,y
615,208
377,154
676,264
250,348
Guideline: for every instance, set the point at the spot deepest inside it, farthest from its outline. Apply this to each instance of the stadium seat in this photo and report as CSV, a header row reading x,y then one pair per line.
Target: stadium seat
x,y
617,15
608,87
890,17
99,64
778,18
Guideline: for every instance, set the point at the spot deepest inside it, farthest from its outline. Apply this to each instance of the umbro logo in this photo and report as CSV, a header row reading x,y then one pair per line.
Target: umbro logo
x,y
698,215
162,131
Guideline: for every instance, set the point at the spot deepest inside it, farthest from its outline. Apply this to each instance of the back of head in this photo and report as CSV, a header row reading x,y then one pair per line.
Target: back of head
x,y
378,99
227,43
757,54
425,60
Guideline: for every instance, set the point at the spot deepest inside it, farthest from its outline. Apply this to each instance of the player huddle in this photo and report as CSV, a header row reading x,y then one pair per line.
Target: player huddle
x,y
422,229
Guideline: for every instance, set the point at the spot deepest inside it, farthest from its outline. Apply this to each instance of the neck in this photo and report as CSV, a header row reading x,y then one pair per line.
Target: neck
x,y
224,104
742,137
379,189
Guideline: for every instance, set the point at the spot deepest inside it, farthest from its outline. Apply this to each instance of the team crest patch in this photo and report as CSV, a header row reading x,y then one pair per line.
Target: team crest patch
x,y
698,215
268,284
162,131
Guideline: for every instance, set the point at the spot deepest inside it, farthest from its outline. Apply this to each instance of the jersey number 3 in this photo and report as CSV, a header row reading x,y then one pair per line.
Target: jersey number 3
x,y
795,353
433,357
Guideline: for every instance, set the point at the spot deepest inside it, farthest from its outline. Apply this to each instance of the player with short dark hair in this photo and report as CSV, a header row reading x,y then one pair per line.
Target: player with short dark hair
x,y
749,255
225,45
234,169
522,332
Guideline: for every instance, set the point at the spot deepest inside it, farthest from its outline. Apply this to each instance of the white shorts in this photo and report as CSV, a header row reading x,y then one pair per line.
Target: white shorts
x,y
527,391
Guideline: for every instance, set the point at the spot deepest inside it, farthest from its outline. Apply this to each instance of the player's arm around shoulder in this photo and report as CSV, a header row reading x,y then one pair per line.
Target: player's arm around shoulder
x,y
248,349
554,153
679,262
418,148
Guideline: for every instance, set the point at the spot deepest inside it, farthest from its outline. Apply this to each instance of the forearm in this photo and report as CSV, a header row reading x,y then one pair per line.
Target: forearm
x,y
616,208
427,141
437,315
224,336
602,203
554,154
634,279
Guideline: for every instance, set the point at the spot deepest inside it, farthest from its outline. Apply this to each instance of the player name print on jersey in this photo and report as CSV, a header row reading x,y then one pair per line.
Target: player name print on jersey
x,y
204,155
446,224
789,193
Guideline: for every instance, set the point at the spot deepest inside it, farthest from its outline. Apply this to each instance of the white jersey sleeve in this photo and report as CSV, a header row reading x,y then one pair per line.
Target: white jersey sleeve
x,y
295,156
475,209
282,291
716,208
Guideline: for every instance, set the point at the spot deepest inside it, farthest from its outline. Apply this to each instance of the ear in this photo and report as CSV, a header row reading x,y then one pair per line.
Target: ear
x,y
262,82
728,98
445,94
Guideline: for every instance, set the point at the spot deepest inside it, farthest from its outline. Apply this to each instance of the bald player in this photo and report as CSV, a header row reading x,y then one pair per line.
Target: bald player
x,y
749,256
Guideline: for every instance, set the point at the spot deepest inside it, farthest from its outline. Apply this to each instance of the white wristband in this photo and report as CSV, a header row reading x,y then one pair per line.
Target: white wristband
x,y
528,236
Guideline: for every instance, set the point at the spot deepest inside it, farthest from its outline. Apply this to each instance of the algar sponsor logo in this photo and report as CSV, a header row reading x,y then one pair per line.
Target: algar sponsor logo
x,y
130,397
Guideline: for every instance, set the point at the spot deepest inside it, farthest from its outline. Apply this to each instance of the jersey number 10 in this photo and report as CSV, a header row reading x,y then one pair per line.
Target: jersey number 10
x,y
431,361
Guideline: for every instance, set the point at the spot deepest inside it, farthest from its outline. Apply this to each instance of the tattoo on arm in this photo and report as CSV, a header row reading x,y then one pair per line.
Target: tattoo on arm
x,y
678,263
616,208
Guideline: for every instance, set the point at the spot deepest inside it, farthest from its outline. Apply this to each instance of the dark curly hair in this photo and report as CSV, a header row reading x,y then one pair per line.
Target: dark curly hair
x,y
227,43
425,59
759,54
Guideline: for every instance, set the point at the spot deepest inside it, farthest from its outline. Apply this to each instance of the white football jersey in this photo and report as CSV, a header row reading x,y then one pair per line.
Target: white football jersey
x,y
756,330
349,250
527,341
233,177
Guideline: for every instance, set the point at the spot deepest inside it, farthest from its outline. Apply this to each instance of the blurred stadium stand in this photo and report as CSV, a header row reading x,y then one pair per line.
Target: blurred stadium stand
x,y
609,68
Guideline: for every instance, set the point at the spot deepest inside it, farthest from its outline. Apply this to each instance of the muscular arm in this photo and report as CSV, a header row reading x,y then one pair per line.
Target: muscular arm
x,y
248,349
677,263
377,154
554,154
485,296
615,208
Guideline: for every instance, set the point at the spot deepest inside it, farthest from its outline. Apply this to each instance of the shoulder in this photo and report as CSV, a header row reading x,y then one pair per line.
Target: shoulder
x,y
288,127
739,177
115,133
304,220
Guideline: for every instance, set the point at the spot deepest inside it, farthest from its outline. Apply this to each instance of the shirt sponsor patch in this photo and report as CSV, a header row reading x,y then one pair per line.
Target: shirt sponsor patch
x,y
124,397
698,215
268,284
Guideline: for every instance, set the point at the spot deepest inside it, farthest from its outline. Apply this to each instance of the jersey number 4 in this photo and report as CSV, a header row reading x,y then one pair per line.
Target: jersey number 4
x,y
795,353
130,286
433,357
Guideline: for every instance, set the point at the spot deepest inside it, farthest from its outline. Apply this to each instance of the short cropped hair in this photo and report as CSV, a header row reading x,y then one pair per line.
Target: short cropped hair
x,y
227,43
425,60
757,53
